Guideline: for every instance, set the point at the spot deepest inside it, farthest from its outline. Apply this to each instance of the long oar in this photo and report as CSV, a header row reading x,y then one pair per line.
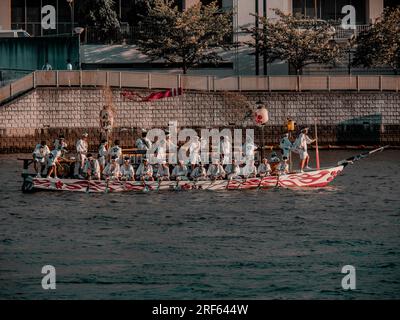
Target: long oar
x,y
316,146
360,156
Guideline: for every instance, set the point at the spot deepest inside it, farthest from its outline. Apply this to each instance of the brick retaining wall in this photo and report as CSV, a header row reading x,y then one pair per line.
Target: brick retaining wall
x,y
342,117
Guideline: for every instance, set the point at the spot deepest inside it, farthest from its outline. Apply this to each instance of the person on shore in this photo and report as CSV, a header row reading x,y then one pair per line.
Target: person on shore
x,y
40,154
91,169
116,151
47,66
199,173
52,161
145,171
216,171
163,171
264,168
249,170
232,170
127,171
300,146
112,170
283,166
81,150
285,145
180,172
103,154
142,143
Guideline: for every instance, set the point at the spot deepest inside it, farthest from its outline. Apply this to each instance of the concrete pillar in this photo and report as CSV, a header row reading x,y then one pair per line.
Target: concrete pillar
x,y
374,10
5,14
189,3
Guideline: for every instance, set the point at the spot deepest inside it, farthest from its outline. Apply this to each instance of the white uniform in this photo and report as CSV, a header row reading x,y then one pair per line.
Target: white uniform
x,y
226,150
127,172
283,168
232,170
144,171
112,170
53,157
286,146
216,170
249,170
40,153
194,152
180,172
301,145
60,143
199,173
92,168
81,150
143,144
102,155
264,169
249,148
162,172
116,151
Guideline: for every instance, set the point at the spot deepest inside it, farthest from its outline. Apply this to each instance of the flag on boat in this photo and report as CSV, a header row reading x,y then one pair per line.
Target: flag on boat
x,y
173,92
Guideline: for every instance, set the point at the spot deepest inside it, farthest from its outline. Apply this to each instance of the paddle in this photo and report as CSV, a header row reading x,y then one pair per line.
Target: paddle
x,y
316,146
360,156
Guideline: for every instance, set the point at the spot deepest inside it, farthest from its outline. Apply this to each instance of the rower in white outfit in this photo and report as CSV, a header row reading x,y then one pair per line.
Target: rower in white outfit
x,y
112,170
52,161
145,171
81,150
283,167
285,145
194,152
232,170
116,151
40,154
264,168
103,154
91,169
216,171
142,143
249,170
163,171
180,171
199,173
127,171
249,149
300,146
226,150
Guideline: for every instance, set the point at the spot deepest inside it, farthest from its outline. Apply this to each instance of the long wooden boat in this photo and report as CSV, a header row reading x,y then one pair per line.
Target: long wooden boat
x,y
310,179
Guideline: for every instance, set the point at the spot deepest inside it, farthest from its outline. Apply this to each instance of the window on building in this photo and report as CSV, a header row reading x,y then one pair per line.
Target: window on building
x,y
391,3
330,9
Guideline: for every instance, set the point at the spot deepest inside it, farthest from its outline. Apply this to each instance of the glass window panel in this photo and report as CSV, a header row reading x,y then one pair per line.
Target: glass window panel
x,y
17,11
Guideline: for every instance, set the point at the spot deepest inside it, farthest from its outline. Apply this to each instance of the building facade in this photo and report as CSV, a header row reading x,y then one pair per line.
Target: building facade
x,y
34,17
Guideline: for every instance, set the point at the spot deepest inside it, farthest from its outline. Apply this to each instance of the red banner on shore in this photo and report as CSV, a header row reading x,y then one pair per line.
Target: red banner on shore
x,y
173,92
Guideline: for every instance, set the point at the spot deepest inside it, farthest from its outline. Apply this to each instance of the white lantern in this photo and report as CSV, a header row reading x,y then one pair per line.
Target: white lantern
x,y
261,114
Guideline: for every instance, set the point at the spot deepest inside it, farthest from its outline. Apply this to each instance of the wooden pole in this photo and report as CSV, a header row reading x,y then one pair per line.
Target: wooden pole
x,y
316,146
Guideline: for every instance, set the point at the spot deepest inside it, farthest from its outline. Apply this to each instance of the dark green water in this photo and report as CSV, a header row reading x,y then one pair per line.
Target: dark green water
x,y
277,244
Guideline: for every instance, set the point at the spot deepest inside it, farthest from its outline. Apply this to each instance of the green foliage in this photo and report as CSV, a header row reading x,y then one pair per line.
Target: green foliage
x,y
380,45
99,13
189,38
296,39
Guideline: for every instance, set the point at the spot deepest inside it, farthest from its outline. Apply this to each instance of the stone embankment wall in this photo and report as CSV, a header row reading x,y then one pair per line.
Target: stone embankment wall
x,y
369,118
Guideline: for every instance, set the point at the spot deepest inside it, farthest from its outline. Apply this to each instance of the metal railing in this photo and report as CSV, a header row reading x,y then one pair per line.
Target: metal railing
x,y
126,79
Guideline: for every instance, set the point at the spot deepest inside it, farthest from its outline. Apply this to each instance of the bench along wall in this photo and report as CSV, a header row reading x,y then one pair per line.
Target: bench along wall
x,y
343,117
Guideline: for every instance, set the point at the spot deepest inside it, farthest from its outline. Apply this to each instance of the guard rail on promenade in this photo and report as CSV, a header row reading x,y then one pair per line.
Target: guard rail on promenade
x,y
127,79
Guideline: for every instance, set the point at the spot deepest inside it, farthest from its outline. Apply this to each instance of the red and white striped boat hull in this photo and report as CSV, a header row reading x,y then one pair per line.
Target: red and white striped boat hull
x,y
310,179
